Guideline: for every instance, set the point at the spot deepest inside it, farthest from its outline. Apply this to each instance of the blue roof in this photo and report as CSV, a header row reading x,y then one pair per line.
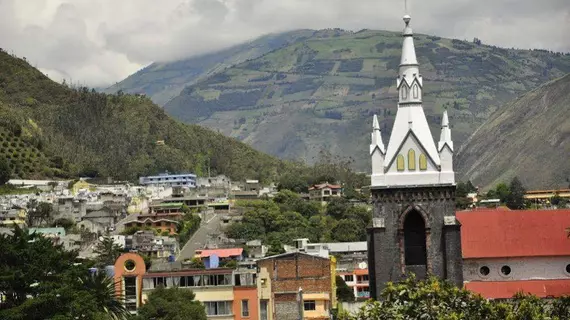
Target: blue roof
x,y
163,175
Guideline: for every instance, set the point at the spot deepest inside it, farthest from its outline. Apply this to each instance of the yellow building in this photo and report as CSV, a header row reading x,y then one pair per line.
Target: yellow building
x,y
79,185
12,217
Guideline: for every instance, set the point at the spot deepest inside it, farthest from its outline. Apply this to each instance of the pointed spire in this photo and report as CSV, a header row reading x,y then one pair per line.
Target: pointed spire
x,y
376,136
408,48
445,137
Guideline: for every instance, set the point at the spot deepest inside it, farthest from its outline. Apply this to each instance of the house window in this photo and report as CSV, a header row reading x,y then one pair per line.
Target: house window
x,y
349,278
361,279
423,162
568,268
131,293
484,271
159,281
506,270
400,162
411,159
404,92
218,308
245,308
309,305
415,91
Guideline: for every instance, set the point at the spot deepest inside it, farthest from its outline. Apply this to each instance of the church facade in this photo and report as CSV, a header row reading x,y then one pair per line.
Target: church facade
x,y
414,228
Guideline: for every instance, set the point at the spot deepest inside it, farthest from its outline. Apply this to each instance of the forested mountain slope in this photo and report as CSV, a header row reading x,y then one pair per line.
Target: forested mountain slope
x,y
528,138
48,129
321,92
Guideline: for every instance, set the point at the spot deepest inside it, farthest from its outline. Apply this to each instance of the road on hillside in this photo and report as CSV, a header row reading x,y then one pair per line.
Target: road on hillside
x,y
200,237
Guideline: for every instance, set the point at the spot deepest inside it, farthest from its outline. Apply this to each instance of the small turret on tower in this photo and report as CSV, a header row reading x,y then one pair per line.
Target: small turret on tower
x,y
445,149
377,151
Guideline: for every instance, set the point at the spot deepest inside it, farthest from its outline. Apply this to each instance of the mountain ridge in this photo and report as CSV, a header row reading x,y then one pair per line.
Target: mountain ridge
x,y
50,130
321,92
532,135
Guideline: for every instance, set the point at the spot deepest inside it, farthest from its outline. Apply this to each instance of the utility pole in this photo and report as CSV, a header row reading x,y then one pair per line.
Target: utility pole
x,y
300,303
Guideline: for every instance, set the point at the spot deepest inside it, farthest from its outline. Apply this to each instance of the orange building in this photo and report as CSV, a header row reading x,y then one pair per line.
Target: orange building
x,y
246,304
129,271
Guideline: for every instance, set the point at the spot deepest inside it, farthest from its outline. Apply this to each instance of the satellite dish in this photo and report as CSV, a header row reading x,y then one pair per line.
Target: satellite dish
x,y
363,265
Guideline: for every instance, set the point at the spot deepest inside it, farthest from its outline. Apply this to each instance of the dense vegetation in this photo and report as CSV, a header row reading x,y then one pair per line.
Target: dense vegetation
x,y
321,92
40,280
48,129
528,138
287,217
433,299
171,304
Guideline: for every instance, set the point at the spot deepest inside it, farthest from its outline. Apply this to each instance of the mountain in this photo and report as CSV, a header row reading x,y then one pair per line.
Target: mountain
x,y
162,81
528,138
48,129
321,93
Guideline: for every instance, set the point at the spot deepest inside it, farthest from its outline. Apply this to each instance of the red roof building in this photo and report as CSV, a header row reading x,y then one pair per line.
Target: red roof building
x,y
509,251
221,253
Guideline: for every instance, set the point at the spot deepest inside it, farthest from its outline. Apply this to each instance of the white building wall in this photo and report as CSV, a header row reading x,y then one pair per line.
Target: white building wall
x,y
529,268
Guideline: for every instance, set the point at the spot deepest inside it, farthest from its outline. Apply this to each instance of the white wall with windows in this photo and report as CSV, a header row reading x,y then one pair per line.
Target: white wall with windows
x,y
526,268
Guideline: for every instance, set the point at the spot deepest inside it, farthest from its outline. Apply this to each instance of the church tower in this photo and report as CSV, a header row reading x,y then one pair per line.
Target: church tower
x,y
414,229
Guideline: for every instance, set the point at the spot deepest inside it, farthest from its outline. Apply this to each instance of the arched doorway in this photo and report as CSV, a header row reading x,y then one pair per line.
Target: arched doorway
x,y
415,253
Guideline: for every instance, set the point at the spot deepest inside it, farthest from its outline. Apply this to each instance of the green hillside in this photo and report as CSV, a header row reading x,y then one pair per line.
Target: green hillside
x,y
162,81
528,138
48,129
321,92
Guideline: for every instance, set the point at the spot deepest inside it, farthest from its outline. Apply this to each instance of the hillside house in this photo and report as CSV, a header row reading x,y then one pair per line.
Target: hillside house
x,y
324,192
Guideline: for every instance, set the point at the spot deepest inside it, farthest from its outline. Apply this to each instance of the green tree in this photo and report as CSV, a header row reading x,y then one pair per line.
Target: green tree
x,y
4,171
39,213
343,291
502,191
171,304
41,280
107,251
515,199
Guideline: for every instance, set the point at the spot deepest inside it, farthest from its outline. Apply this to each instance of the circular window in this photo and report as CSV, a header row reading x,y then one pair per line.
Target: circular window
x,y
568,268
484,271
130,265
506,270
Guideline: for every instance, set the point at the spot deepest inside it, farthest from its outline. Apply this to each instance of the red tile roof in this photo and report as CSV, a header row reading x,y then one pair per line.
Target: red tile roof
x,y
324,185
514,233
221,253
507,289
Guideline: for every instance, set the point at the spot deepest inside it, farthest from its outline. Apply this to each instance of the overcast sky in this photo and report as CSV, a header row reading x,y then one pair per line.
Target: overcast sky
x,y
99,42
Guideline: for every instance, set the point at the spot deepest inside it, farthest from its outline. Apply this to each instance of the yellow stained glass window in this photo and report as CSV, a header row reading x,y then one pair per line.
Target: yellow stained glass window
x,y
400,162
411,159
423,162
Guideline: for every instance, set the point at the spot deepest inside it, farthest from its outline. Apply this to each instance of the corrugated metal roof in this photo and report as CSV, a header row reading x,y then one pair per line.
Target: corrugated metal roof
x,y
514,233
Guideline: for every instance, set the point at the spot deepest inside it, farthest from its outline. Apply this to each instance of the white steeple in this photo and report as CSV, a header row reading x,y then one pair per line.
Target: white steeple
x,y
411,156
377,151
445,136
376,136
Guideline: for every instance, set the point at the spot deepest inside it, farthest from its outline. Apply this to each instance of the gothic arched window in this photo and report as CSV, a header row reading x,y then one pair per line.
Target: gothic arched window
x,y
423,162
411,159
404,91
415,239
415,91
400,162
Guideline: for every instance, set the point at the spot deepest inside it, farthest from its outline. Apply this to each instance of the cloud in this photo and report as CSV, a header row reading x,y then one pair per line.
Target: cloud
x,y
99,42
